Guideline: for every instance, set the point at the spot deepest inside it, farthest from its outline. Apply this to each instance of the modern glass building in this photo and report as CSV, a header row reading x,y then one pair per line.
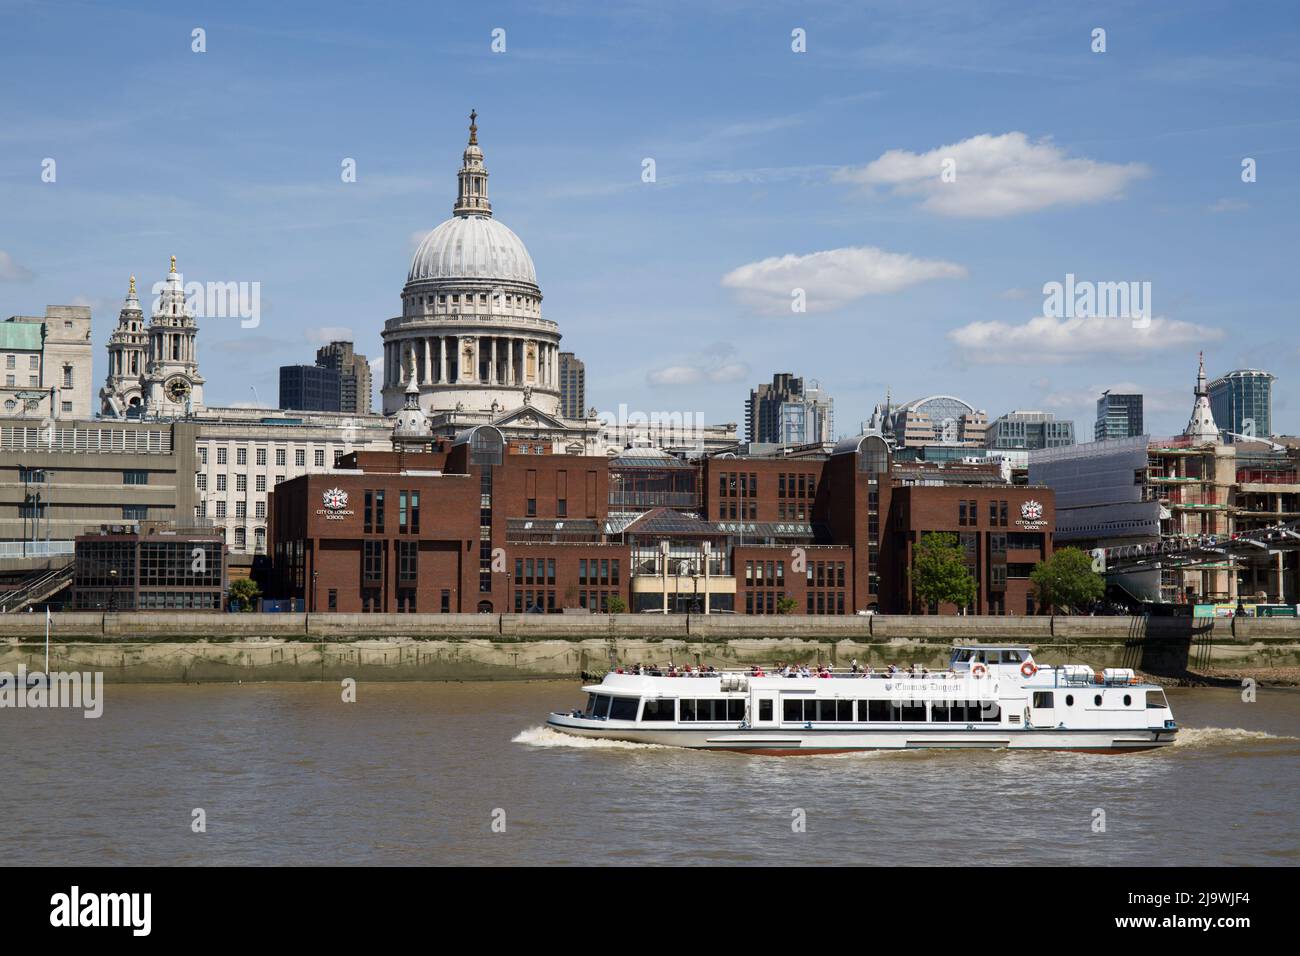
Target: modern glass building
x,y
1029,430
1242,403
309,388
785,413
1118,416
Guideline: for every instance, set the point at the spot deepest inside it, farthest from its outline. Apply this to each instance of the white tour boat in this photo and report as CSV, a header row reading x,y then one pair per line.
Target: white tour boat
x,y
988,697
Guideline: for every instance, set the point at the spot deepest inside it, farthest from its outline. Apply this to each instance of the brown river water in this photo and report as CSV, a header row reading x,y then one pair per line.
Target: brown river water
x,y
413,773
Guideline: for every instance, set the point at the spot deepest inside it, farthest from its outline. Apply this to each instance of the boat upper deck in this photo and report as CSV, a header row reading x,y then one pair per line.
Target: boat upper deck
x,y
673,682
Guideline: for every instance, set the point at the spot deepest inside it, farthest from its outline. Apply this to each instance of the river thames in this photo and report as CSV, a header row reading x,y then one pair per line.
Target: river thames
x,y
416,773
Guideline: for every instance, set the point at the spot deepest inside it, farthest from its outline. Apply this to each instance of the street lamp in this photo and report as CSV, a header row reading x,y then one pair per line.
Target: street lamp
x,y
112,597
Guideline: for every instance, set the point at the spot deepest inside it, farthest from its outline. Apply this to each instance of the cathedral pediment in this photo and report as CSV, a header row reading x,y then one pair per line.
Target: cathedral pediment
x,y
528,416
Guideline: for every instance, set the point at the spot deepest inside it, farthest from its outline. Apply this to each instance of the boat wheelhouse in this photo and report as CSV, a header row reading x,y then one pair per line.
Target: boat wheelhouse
x,y
989,697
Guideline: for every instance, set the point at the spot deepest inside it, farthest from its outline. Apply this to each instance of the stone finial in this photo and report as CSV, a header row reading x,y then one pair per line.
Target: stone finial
x,y
173,269
473,128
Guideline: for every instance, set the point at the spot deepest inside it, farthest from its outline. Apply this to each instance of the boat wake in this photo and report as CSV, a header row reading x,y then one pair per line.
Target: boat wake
x,y
1206,737
546,737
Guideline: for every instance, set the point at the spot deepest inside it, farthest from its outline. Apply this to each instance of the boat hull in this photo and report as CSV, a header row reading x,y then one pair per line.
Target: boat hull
x,y
786,741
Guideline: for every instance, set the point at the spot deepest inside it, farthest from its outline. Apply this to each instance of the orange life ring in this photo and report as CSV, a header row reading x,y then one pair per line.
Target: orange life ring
x,y
1028,669
978,670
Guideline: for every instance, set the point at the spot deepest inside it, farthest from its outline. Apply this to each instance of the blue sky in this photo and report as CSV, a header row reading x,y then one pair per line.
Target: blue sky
x,y
775,170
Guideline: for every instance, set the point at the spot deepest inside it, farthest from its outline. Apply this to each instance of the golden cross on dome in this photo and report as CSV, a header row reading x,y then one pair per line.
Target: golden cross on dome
x,y
173,263
133,285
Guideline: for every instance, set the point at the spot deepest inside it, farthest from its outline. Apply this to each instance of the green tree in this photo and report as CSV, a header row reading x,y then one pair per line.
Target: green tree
x,y
1066,580
939,574
246,592
616,605
786,605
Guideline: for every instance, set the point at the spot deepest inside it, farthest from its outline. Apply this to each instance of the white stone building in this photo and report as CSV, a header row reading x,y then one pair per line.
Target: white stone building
x,y
47,364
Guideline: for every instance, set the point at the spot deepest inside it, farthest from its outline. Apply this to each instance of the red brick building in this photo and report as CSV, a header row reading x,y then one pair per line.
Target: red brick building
x,y
478,525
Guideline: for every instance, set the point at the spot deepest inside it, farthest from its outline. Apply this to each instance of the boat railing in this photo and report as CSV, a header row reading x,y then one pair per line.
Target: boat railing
x,y
1065,679
731,675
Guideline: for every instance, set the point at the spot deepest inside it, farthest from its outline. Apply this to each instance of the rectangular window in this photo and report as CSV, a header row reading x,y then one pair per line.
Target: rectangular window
x,y
261,483
279,456
135,477
241,482
319,457
221,456
658,710
261,456
300,457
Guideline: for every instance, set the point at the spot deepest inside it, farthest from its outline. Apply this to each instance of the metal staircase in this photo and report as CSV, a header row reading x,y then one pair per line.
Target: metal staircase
x,y
40,587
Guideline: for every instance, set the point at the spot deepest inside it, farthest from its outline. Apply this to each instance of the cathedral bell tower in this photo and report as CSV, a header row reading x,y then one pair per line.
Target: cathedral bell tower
x,y
171,382
128,350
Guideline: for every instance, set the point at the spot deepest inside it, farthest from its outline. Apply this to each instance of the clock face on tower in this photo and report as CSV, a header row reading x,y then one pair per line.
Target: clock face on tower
x,y
178,390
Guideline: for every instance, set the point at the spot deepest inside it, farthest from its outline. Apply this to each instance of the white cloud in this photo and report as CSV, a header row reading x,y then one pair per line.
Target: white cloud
x,y
715,365
1047,339
996,176
1014,294
1228,205
11,271
329,333
832,278
1154,400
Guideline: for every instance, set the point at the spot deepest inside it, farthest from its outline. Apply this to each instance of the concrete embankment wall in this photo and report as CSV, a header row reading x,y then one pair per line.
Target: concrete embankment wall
x,y
222,647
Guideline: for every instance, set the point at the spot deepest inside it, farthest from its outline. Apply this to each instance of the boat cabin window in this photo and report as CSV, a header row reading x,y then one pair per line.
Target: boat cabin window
x,y
940,711
1156,698
624,708
597,706
1043,698
712,709
659,709
765,709
1011,657
961,656
804,711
